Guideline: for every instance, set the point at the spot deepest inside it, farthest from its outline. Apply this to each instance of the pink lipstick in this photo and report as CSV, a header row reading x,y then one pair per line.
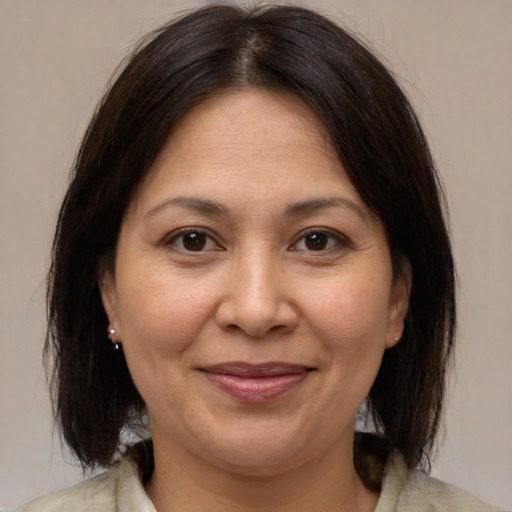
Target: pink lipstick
x,y
256,383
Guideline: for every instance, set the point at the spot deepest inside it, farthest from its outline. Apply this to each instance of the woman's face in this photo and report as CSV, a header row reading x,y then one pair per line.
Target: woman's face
x,y
253,291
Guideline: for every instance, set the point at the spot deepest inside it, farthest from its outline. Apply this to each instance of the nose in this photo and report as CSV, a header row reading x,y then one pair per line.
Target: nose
x,y
257,300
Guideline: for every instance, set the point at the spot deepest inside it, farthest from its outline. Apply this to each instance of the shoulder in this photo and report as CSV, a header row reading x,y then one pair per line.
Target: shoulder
x,y
118,489
404,490
97,493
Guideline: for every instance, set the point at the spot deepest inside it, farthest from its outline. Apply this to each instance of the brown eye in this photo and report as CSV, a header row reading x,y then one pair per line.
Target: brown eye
x,y
194,241
316,241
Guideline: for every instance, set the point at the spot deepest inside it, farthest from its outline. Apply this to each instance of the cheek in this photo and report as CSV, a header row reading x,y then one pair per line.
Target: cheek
x,y
161,319
163,314
351,310
166,316
349,317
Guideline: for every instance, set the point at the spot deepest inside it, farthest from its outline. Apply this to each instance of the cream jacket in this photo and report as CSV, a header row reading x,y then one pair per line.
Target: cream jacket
x,y
120,490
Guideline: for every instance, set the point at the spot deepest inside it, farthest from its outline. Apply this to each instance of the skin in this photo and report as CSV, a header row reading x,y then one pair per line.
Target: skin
x,y
255,288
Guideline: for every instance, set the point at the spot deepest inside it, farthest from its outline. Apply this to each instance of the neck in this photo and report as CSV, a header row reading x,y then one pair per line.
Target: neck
x,y
182,482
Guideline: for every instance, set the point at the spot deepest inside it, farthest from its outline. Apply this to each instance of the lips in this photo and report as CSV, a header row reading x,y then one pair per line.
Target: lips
x,y
256,383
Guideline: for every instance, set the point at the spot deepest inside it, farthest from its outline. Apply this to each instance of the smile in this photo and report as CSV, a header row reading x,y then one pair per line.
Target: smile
x,y
256,383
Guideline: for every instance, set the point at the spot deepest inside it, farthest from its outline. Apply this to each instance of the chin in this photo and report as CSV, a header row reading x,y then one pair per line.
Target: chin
x,y
260,461
266,451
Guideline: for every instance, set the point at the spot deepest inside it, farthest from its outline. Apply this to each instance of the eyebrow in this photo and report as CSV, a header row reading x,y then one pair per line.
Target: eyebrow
x,y
208,207
311,205
204,206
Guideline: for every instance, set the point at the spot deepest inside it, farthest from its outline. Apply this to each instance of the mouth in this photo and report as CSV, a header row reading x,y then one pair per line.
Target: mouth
x,y
256,383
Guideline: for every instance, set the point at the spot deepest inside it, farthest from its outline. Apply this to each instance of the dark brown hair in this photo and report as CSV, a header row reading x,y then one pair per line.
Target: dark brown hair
x,y
379,142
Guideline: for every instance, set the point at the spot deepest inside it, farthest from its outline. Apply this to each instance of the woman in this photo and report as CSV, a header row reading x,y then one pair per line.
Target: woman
x,y
255,223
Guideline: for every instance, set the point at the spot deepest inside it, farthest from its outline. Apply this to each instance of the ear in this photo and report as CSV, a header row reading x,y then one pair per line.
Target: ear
x,y
399,303
108,292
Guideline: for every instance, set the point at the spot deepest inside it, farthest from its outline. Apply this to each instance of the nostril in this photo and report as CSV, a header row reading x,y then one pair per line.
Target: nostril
x,y
256,323
255,300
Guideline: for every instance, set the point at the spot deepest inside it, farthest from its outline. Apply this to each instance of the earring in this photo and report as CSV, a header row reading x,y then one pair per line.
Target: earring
x,y
111,333
397,339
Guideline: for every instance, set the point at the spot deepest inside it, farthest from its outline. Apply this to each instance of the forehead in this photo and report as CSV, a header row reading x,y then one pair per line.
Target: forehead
x,y
236,122
251,139
252,106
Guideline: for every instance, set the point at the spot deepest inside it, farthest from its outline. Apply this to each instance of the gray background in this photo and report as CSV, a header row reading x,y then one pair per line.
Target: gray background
x,y
454,59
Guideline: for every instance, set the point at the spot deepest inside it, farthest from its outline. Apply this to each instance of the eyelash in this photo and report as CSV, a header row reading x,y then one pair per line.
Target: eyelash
x,y
339,240
192,231
204,238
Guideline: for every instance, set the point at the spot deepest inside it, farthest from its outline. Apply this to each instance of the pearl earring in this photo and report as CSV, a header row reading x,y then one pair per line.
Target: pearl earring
x,y
111,333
